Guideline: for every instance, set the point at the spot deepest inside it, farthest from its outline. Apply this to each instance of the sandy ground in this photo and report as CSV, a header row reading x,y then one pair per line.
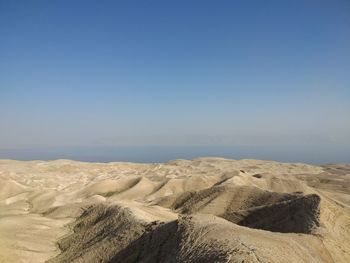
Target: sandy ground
x,y
217,210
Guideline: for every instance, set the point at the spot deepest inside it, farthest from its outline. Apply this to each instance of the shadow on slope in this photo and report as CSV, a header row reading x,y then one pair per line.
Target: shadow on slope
x,y
178,241
298,215
252,207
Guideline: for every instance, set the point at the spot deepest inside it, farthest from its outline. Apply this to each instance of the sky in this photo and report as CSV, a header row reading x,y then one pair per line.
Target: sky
x,y
87,73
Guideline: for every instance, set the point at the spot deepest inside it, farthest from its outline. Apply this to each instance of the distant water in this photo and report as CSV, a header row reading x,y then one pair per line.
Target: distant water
x,y
154,154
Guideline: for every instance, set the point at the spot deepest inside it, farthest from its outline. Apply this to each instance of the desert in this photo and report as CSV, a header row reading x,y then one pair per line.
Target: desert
x,y
200,210
174,131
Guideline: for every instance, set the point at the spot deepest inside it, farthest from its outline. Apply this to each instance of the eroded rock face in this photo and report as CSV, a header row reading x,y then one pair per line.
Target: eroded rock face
x,y
111,234
182,240
105,233
99,233
297,215
253,207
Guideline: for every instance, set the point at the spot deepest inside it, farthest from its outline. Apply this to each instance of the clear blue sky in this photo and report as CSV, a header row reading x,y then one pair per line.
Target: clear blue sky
x,y
174,72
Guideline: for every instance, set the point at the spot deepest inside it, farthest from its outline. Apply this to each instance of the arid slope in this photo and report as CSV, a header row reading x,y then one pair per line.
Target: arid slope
x,y
204,210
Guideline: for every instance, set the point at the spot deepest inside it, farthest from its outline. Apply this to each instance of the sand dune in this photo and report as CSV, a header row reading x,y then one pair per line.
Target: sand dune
x,y
204,210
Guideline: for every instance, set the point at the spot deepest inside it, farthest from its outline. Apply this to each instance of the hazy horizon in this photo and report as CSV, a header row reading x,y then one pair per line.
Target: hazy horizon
x,y
239,75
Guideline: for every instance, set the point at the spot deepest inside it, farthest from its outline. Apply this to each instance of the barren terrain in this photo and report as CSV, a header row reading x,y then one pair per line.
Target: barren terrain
x,y
203,210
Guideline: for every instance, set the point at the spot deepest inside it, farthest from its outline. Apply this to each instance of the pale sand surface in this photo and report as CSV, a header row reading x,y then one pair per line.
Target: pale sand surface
x,y
204,210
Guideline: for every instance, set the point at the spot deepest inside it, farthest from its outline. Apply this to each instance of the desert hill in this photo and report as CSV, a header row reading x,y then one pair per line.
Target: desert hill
x,y
203,210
